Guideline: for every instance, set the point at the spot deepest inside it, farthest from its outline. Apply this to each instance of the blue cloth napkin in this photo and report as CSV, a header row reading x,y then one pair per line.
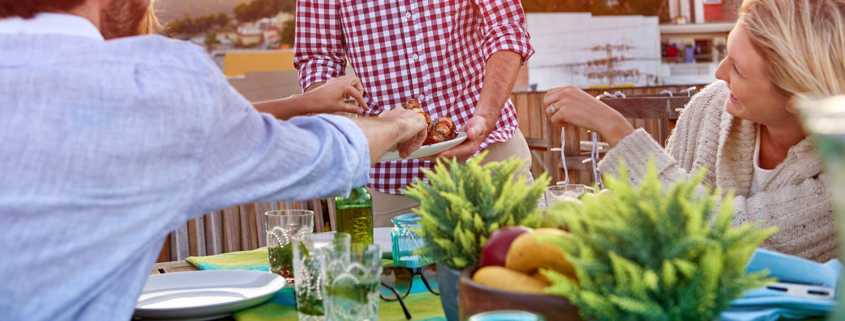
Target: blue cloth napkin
x,y
769,305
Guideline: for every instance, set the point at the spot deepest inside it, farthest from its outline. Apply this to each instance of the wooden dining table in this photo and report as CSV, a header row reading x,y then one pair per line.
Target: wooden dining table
x,y
171,267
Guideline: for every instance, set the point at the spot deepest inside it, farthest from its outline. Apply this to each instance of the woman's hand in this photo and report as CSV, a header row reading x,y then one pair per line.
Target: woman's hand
x,y
571,105
338,95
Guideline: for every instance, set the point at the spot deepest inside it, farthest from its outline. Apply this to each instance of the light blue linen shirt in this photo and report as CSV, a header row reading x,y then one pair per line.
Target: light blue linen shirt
x,y
105,146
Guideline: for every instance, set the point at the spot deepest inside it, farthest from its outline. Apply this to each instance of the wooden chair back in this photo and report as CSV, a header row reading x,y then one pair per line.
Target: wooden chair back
x,y
655,113
236,228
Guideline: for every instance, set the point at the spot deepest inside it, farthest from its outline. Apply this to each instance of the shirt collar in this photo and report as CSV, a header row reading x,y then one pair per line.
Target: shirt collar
x,y
51,23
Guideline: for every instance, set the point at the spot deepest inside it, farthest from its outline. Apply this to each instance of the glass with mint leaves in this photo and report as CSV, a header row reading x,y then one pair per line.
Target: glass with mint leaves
x,y
284,227
307,266
351,280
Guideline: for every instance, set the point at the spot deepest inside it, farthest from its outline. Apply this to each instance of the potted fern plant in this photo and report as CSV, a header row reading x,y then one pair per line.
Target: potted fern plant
x,y
651,252
460,206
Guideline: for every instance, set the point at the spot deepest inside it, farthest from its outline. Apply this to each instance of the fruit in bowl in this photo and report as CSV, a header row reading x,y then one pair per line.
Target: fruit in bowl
x,y
533,251
495,251
514,254
511,277
501,278
476,297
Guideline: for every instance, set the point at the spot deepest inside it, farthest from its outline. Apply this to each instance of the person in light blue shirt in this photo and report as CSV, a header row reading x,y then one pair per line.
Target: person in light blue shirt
x,y
105,146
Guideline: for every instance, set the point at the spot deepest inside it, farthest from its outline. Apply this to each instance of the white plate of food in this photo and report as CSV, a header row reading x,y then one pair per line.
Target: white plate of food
x,y
204,295
427,150
442,135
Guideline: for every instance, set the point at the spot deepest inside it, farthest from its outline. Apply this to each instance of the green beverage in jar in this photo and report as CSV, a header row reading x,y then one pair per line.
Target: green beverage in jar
x,y
355,216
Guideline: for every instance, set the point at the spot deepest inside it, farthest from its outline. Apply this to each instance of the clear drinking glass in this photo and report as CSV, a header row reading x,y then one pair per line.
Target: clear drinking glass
x,y
824,120
307,270
283,228
565,192
405,241
351,283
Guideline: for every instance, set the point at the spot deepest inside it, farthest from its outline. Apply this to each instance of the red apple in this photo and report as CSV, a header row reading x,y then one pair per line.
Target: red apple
x,y
495,251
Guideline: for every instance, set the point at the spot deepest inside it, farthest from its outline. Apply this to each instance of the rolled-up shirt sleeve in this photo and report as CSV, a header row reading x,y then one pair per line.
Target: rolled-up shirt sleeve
x,y
505,28
250,156
319,48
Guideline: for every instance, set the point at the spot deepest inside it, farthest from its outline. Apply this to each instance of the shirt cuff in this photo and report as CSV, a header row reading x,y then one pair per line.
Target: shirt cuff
x,y
314,72
507,38
636,151
355,136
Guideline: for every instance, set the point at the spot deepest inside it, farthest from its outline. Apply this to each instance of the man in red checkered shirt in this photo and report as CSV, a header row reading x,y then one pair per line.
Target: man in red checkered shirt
x,y
458,58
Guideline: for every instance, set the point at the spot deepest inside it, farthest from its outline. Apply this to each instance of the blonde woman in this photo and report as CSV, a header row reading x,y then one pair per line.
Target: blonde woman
x,y
744,129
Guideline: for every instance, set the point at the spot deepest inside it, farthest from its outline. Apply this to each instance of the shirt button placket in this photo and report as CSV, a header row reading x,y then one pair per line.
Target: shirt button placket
x,y
410,45
414,41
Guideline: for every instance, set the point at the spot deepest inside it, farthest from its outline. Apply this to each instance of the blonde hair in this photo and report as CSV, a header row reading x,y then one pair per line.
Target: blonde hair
x,y
149,23
803,42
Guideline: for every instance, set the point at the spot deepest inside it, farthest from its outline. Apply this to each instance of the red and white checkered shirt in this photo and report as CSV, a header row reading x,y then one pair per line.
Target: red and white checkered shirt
x,y
431,50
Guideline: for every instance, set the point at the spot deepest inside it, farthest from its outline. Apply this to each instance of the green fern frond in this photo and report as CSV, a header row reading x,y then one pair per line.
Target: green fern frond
x,y
654,252
461,204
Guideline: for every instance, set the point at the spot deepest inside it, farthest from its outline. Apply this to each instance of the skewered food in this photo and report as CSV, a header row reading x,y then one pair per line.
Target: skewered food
x,y
441,130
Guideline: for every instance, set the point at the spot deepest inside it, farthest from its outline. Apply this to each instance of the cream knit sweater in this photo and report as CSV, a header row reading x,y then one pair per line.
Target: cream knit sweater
x,y
794,198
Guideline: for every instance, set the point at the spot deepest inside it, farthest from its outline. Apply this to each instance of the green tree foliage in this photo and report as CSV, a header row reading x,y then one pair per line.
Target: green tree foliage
x,y
192,26
462,204
289,32
211,39
655,253
257,9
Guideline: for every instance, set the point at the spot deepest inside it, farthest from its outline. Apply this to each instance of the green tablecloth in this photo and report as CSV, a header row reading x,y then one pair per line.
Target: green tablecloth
x,y
423,305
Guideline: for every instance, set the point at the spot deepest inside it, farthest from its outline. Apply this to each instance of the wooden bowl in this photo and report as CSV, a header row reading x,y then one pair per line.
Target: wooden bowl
x,y
477,298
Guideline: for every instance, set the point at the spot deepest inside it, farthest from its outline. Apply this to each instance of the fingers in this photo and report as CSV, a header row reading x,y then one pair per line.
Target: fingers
x,y
567,95
558,113
557,94
430,158
422,127
354,82
358,96
463,151
559,117
476,131
351,108
392,113
551,97
357,84
553,108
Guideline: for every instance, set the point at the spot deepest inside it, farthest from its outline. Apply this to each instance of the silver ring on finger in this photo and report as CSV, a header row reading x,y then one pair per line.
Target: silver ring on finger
x,y
552,109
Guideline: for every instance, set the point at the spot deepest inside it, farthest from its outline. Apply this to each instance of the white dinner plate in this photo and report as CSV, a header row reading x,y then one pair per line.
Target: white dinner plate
x,y
204,295
427,150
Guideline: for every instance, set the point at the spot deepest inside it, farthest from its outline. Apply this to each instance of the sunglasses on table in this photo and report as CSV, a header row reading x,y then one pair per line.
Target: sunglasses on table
x,y
398,282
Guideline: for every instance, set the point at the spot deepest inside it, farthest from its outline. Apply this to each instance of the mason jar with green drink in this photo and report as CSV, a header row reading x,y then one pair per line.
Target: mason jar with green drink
x,y
355,216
